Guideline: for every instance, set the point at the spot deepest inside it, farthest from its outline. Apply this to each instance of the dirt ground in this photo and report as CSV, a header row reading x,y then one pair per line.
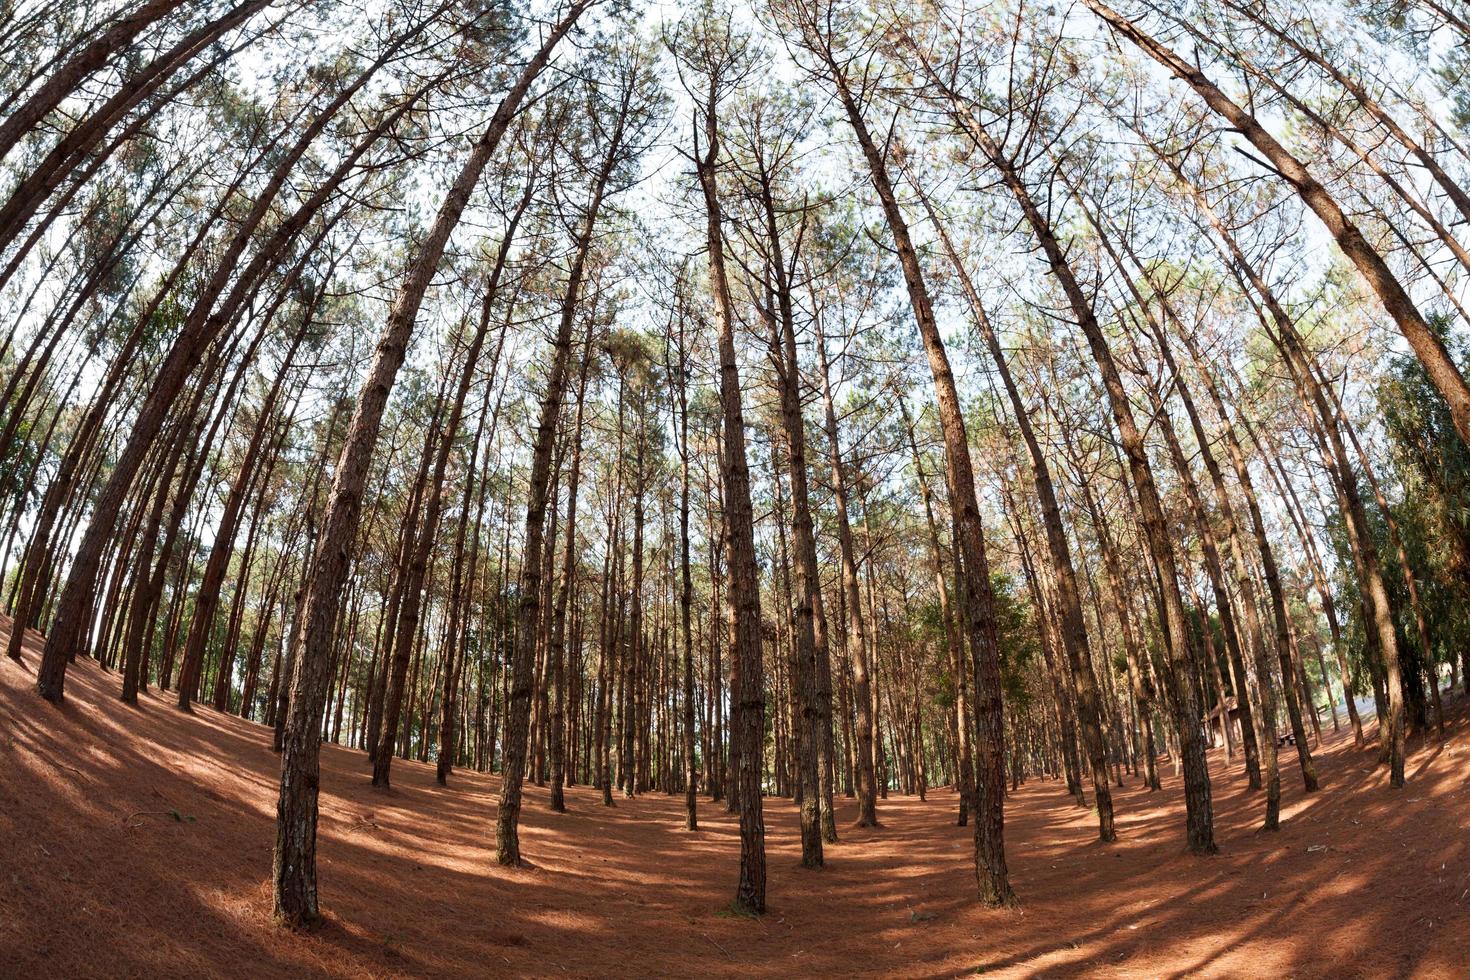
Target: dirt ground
x,y
137,842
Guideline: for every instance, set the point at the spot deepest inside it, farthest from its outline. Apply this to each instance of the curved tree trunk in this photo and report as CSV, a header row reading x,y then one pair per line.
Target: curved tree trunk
x,y
976,602
294,869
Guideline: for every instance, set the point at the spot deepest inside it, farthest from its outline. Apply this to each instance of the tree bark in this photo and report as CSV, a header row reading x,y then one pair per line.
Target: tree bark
x,y
294,868
742,603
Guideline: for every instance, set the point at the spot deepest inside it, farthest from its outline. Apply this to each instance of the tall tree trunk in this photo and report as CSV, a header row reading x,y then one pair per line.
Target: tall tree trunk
x,y
1073,627
742,592
811,747
412,588
976,600
965,750
294,868
857,637
556,668
678,371
507,838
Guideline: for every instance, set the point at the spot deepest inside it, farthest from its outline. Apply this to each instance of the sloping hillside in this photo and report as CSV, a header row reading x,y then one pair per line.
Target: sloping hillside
x,y
138,842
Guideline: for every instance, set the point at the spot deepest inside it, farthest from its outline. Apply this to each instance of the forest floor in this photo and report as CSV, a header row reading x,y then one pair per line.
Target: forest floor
x,y
137,842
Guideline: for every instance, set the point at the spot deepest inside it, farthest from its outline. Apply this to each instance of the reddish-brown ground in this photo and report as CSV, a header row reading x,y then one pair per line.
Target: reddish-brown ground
x,y
100,879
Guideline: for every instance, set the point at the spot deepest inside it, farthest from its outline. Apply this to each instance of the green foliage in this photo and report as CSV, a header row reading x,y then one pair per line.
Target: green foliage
x,y
1016,631
1427,489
